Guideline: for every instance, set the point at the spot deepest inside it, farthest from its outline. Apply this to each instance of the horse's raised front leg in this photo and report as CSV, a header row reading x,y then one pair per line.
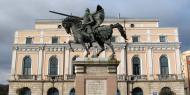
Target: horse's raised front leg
x,y
69,42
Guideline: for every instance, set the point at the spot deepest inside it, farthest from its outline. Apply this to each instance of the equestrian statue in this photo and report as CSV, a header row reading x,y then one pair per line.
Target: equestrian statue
x,y
88,29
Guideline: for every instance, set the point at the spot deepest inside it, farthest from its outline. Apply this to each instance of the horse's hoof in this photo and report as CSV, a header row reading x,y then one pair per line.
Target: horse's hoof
x,y
72,49
111,57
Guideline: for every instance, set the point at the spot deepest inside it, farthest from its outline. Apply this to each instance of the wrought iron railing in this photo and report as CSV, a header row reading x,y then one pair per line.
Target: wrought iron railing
x,y
121,77
170,76
70,77
26,77
54,77
137,77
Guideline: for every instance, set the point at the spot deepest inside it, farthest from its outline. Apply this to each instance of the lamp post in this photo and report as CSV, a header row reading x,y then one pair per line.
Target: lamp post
x,y
53,80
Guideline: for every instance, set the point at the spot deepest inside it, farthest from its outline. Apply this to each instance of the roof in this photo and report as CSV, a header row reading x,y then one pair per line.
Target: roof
x,y
46,21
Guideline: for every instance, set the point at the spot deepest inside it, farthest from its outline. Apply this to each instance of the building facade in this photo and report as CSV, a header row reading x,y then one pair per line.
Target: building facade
x,y
149,59
185,59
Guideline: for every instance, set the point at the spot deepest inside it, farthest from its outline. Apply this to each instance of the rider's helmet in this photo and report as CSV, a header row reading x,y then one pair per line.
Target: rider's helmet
x,y
87,10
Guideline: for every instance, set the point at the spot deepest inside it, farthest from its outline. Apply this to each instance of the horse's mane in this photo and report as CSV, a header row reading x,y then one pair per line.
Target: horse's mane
x,y
67,23
68,30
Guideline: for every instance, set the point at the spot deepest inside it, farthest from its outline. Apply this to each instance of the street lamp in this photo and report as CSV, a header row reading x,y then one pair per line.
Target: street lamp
x,y
53,81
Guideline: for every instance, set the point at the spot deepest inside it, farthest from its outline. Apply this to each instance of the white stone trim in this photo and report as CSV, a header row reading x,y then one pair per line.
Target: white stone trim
x,y
40,62
157,24
141,65
42,37
58,65
13,63
177,52
67,55
169,65
149,34
149,59
16,37
176,33
32,65
122,66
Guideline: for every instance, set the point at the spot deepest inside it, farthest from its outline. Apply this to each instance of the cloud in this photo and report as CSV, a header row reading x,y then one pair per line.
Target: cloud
x,y
21,14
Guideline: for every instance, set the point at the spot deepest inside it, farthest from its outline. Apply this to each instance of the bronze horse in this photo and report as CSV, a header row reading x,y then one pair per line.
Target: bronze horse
x,y
102,34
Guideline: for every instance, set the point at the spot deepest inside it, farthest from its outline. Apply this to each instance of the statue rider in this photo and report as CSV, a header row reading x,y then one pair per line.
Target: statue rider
x,y
87,23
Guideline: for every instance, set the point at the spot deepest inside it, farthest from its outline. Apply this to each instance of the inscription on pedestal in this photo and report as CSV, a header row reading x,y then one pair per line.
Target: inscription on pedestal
x,y
96,87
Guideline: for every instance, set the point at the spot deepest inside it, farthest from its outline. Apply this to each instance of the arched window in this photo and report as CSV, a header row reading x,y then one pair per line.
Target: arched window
x,y
136,65
118,92
164,65
53,65
72,92
53,91
166,91
137,91
26,66
25,91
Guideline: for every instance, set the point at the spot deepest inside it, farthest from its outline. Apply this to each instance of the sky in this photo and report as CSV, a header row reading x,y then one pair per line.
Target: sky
x,y
21,14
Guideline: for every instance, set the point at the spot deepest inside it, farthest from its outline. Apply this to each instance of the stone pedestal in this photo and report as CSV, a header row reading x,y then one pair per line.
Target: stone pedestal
x,y
95,76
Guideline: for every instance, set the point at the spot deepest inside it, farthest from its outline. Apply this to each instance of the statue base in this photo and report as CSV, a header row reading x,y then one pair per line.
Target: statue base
x,y
95,76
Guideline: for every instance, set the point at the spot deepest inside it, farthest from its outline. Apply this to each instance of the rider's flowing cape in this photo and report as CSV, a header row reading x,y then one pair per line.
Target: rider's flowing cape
x,y
98,16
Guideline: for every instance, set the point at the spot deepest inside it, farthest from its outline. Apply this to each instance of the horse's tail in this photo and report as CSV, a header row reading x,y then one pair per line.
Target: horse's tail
x,y
120,28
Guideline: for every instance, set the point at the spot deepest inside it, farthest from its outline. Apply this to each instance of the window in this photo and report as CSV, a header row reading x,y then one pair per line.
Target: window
x,y
166,91
132,25
164,65
162,38
28,40
54,40
53,91
188,58
53,62
27,65
136,65
59,26
25,91
137,91
72,92
135,38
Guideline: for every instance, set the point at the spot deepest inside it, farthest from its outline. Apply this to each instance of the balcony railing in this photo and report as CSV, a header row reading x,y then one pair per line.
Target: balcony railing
x,y
137,77
121,77
70,77
24,77
170,77
54,77
158,77
131,77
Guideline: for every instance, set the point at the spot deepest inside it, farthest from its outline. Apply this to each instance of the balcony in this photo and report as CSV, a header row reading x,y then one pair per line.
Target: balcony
x,y
137,77
30,77
24,77
121,77
131,77
70,77
54,77
158,77
170,77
